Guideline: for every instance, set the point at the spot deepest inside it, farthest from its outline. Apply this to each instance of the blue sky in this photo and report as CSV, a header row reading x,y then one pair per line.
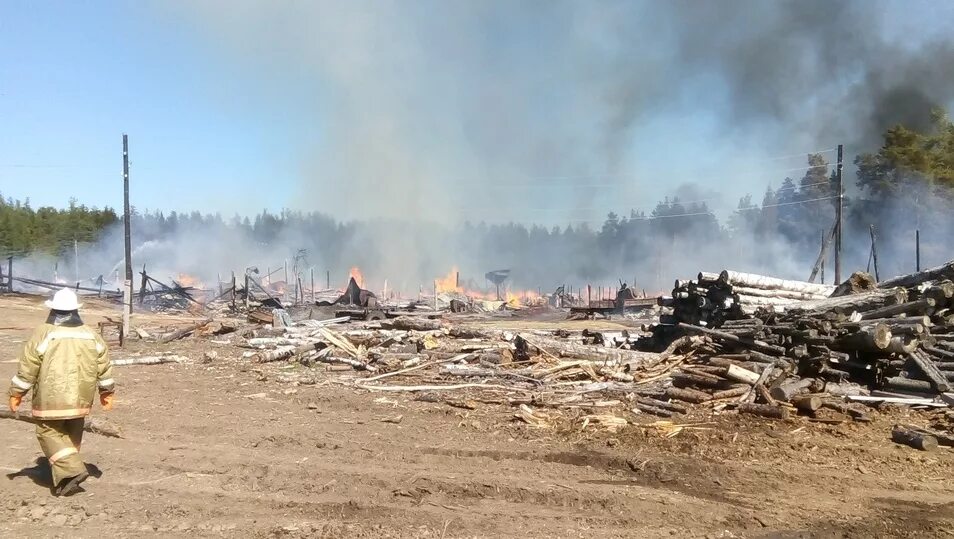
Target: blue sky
x,y
74,76
239,106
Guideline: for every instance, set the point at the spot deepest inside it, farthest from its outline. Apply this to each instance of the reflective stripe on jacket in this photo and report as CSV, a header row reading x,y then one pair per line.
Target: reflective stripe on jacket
x,y
64,365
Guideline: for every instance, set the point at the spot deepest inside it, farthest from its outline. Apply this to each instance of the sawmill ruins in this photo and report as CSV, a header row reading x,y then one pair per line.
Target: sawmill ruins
x,y
431,269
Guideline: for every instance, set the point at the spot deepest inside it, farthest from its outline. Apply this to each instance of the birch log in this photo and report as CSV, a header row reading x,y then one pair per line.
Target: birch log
x,y
764,282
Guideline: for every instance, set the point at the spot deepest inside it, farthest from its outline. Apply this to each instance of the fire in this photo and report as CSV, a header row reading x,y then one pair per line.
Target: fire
x,y
355,273
187,280
449,285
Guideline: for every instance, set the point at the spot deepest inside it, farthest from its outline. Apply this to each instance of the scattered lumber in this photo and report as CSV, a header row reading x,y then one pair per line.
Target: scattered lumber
x,y
183,332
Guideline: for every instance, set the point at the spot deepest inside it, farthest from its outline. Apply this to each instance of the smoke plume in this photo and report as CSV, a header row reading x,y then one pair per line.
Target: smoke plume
x,y
434,113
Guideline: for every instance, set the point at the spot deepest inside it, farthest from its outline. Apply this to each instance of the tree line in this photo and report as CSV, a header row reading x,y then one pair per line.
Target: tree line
x,y
907,185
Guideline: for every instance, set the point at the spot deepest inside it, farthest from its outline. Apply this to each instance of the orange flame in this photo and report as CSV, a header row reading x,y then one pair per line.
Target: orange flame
x,y
356,274
448,285
187,280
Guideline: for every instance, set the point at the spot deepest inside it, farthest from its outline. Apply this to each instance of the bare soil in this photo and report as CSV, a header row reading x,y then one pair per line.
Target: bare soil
x,y
227,449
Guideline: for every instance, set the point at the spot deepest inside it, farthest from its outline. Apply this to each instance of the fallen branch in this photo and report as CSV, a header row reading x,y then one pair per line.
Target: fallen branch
x,y
433,387
96,425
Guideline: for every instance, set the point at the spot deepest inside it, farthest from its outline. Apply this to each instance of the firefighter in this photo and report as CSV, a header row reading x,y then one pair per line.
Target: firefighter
x,y
65,363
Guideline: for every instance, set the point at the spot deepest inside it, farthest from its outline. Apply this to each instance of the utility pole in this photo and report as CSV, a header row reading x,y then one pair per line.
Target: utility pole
x,y
838,215
917,250
127,284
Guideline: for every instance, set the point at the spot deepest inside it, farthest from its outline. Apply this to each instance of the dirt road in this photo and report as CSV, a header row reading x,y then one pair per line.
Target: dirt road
x,y
224,449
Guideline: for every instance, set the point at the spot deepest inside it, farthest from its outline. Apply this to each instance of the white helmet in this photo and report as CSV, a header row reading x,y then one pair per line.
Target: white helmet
x,y
64,300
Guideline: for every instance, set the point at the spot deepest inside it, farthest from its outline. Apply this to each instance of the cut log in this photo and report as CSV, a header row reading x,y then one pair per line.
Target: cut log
x,y
683,380
688,395
946,354
870,338
180,333
723,336
764,410
897,383
807,403
790,388
845,389
857,283
865,301
930,371
409,323
913,279
777,294
557,348
913,438
149,360
764,282
902,344
919,307
652,410
732,392
725,362
672,406
942,437
735,372
284,352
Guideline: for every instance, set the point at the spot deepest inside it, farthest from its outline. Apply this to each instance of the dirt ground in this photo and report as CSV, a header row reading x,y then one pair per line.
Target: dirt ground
x,y
227,449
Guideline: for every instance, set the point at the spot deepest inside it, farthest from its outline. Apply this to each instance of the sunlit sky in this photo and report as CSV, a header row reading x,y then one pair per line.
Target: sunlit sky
x,y
219,125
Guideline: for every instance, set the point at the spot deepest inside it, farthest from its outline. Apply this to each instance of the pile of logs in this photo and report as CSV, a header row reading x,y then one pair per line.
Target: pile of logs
x,y
712,298
896,341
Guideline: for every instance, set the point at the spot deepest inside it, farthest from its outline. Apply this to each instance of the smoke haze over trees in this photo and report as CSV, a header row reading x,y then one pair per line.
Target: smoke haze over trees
x,y
907,185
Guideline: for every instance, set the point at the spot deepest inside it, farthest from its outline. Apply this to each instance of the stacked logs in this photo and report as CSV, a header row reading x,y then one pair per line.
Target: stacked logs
x,y
713,298
898,341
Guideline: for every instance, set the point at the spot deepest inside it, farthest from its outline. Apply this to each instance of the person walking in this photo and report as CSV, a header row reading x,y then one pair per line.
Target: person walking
x,y
65,363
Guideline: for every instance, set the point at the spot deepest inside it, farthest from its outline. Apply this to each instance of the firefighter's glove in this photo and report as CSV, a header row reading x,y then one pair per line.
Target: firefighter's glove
x,y
106,399
15,401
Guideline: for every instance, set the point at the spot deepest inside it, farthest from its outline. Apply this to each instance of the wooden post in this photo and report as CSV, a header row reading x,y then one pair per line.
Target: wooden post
x,y
823,258
247,291
328,279
874,252
218,279
233,291
127,233
287,284
127,309
589,295
838,214
313,285
142,286
435,295
917,250
457,281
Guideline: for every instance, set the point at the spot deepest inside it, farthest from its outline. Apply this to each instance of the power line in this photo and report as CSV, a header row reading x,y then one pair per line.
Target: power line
x,y
544,184
673,201
652,218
